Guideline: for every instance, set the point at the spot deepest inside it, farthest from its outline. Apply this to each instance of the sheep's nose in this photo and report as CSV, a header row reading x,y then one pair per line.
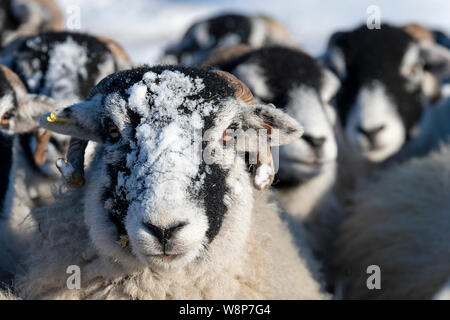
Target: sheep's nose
x,y
371,133
314,142
164,234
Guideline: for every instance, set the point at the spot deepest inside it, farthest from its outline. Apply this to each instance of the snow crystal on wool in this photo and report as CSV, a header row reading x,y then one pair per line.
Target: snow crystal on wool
x,y
170,111
67,63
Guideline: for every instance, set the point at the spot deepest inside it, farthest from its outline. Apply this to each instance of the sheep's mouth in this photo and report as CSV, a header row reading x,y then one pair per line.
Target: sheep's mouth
x,y
311,164
166,257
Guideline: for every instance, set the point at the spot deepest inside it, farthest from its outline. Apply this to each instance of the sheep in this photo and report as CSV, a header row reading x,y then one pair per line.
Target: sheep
x,y
19,111
227,29
300,86
63,66
158,222
400,223
22,18
382,95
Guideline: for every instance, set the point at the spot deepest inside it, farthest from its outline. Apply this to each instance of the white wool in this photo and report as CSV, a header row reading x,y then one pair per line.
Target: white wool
x,y
263,174
67,63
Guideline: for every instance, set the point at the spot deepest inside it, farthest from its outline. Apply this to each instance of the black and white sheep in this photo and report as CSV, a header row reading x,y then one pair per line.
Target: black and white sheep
x,y
153,220
399,223
227,29
23,146
385,87
20,18
301,87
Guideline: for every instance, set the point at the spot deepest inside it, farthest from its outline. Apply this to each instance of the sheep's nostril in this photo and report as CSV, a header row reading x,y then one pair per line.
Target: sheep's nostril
x,y
371,133
315,143
164,234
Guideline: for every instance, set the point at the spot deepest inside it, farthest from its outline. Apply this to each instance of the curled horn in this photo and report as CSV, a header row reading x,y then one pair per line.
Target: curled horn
x,y
241,91
72,168
225,53
264,170
418,32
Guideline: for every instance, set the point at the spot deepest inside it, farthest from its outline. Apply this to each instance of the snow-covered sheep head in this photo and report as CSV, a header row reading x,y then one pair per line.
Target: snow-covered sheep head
x,y
147,182
227,29
63,65
384,88
296,83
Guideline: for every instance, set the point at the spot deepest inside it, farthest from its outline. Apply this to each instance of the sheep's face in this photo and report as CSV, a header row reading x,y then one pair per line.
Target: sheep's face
x,y
382,93
296,83
18,109
229,29
164,175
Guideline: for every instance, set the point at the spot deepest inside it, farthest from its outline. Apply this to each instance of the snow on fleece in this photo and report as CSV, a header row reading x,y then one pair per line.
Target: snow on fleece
x,y
169,123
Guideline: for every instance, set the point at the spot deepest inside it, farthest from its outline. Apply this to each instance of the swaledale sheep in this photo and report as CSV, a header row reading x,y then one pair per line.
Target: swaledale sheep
x,y
399,223
227,29
64,66
382,95
20,18
301,87
153,220
22,148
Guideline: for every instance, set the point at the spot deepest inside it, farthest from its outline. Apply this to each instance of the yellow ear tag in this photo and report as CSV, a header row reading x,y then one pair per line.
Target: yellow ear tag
x,y
123,241
53,118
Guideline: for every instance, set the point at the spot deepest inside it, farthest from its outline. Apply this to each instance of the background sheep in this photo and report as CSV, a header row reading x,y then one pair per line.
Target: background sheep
x,y
188,228
227,29
26,17
297,84
382,95
23,147
399,223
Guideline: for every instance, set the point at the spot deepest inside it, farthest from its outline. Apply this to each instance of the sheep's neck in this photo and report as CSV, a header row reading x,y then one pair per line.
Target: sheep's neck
x,y
301,198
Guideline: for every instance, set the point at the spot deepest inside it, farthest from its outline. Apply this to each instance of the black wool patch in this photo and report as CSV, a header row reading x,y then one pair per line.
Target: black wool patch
x,y
283,68
229,24
212,194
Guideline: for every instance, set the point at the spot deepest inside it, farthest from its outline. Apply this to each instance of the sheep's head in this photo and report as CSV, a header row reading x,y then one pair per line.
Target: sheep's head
x,y
296,83
385,87
227,29
165,175
19,111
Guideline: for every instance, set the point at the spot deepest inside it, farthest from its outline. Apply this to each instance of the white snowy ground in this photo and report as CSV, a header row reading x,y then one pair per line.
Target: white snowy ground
x,y
145,27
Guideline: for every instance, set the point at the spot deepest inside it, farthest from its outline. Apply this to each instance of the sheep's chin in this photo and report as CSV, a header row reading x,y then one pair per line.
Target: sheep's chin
x,y
160,262
302,169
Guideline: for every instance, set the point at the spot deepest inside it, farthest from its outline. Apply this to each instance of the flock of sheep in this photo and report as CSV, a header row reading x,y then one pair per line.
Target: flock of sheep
x,y
96,166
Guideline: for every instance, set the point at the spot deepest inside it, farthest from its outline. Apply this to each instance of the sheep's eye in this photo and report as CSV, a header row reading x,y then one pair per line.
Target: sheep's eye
x,y
7,116
113,132
228,134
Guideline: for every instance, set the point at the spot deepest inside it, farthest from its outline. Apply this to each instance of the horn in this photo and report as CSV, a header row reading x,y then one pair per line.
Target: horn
x,y
241,91
42,139
72,168
419,32
12,78
223,54
117,51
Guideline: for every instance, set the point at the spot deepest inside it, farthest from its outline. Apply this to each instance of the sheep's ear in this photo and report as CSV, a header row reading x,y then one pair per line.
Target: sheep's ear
x,y
79,121
30,107
334,57
281,128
